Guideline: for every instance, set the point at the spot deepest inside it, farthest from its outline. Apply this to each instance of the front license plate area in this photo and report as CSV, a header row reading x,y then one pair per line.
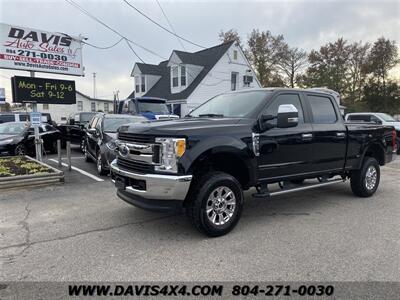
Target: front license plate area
x,y
120,182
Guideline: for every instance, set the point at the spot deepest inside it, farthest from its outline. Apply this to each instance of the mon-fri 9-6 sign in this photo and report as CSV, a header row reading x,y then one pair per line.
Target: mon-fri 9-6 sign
x,y
30,49
43,90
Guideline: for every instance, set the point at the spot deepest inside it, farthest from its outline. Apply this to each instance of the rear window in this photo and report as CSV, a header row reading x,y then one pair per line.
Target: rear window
x,y
361,118
322,110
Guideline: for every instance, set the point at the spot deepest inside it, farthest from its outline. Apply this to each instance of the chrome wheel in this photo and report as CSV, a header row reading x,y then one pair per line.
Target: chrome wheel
x,y
370,178
220,205
83,146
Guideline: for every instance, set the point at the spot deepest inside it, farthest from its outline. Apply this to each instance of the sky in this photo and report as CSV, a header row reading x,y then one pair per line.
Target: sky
x,y
304,24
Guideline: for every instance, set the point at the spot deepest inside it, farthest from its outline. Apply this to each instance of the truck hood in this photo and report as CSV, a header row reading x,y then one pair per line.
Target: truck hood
x,y
182,127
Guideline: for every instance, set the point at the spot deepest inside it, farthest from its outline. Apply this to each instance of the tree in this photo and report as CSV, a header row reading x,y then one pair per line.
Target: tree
x,y
292,62
329,66
378,97
382,58
265,52
357,72
230,35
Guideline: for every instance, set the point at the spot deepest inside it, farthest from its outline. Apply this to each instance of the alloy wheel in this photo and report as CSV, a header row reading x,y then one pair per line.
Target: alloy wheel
x,y
370,178
220,205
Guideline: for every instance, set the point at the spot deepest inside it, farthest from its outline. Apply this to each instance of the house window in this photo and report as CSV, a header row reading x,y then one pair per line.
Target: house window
x,y
143,84
93,106
183,75
106,108
175,81
80,105
137,84
234,76
235,54
45,106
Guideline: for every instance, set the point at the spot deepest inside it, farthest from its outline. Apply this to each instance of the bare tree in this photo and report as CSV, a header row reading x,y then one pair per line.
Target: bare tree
x,y
230,35
293,61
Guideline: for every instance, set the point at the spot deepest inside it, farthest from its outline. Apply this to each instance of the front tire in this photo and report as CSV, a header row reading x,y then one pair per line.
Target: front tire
x,y
86,153
365,182
20,150
100,165
216,204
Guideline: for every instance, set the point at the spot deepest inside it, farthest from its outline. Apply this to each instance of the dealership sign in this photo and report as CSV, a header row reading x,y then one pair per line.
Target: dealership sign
x,y
29,49
43,90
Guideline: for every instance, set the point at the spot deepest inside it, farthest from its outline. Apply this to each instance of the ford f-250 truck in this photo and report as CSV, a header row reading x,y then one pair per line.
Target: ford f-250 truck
x,y
245,139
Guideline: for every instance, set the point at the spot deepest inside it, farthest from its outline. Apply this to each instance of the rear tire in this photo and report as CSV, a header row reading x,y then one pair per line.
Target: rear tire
x,y
100,165
87,157
216,203
365,181
20,150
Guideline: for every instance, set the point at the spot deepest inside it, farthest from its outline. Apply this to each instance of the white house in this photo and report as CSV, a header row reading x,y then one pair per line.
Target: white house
x,y
59,113
187,79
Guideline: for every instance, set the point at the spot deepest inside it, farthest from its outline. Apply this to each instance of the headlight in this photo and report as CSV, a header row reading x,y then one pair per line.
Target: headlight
x,y
112,145
171,150
4,142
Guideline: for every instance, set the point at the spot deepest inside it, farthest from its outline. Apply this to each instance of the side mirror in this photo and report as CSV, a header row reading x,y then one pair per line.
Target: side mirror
x,y
288,116
263,124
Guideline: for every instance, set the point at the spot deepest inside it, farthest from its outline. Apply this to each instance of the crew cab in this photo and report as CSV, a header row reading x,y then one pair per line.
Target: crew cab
x,y
149,107
74,129
239,140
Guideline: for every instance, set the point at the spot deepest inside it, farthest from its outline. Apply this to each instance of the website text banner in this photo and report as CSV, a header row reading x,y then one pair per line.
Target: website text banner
x,y
200,290
30,49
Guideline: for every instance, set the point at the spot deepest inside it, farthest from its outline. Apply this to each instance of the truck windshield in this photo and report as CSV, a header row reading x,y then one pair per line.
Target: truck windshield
x,y
86,117
112,124
386,117
156,107
236,105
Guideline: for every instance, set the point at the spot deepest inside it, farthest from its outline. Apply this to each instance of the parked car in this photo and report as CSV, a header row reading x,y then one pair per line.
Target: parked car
x,y
245,139
148,107
23,117
74,129
377,118
100,138
18,138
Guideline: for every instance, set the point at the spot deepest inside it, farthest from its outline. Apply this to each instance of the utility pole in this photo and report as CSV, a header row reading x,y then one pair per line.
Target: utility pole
x,y
94,85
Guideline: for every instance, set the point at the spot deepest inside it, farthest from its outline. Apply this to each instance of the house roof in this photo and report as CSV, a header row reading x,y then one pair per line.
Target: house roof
x,y
206,58
94,99
149,69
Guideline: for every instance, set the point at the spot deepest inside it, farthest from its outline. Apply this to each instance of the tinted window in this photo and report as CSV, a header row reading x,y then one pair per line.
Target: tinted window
x,y
362,118
24,118
7,118
322,110
156,107
86,117
285,99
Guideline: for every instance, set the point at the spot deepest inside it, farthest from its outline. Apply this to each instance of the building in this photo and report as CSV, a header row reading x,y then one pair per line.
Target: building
x,y
187,79
59,112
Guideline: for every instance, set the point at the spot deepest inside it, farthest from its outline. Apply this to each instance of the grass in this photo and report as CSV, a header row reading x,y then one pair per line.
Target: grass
x,y
19,165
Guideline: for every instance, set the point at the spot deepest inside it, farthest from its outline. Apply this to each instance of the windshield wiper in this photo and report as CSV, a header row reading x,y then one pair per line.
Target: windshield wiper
x,y
212,115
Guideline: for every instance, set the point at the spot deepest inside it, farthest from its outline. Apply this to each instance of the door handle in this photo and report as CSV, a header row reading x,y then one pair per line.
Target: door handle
x,y
307,136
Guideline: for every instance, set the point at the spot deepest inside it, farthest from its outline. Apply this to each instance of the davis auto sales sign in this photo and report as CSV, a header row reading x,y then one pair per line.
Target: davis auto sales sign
x,y
41,51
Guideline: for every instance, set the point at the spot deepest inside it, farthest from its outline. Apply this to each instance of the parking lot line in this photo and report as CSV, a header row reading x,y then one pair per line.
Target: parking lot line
x,y
80,171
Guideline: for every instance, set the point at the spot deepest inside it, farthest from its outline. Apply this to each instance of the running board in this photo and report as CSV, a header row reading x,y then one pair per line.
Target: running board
x,y
300,188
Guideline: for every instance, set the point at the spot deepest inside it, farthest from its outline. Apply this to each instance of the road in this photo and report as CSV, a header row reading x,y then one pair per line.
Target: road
x,y
81,231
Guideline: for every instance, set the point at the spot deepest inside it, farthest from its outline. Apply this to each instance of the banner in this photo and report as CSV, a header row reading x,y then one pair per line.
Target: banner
x,y
29,49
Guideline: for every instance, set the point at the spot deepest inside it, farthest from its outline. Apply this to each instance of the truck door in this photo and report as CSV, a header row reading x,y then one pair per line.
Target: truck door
x,y
91,136
329,134
285,151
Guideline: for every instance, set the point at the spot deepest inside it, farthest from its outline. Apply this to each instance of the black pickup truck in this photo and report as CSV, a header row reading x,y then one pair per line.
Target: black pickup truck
x,y
246,139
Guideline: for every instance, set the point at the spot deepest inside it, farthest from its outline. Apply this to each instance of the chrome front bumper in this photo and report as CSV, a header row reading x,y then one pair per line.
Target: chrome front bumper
x,y
158,187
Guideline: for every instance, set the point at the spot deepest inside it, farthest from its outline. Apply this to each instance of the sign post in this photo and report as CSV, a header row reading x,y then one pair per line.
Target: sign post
x,y
36,124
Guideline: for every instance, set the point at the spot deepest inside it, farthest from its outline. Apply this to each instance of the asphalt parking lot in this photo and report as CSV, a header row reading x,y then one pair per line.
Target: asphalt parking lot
x,y
80,231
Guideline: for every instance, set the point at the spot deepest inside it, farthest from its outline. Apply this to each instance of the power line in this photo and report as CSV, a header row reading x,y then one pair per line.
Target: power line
x,y
170,25
162,27
134,52
103,48
87,13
